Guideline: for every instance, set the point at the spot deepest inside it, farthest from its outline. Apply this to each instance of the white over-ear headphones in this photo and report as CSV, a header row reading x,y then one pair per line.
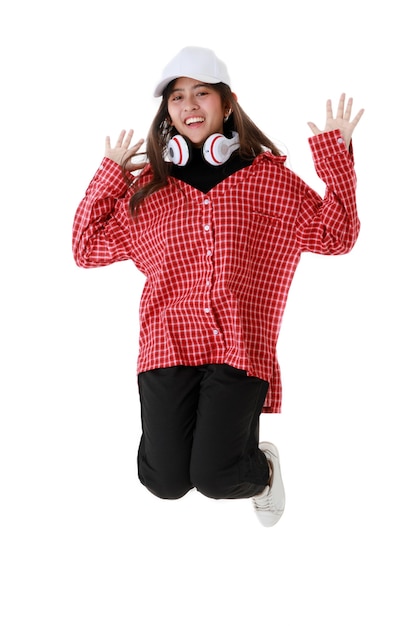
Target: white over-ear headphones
x,y
216,149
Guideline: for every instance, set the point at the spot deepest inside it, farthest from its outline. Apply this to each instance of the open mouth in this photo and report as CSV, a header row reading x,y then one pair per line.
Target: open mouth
x,y
194,120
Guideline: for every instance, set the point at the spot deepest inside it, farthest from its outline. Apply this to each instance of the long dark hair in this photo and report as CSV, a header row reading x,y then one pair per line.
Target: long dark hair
x,y
252,141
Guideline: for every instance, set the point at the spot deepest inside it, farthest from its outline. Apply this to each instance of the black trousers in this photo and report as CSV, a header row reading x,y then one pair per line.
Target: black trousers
x,y
200,428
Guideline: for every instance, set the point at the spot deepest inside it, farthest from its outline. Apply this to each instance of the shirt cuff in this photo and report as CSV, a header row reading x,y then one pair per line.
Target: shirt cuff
x,y
111,172
327,145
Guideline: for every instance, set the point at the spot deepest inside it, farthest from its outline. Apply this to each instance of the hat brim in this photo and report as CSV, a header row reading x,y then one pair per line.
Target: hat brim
x,y
160,88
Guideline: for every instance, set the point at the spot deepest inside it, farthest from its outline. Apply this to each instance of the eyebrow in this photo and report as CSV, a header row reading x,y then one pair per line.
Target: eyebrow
x,y
198,86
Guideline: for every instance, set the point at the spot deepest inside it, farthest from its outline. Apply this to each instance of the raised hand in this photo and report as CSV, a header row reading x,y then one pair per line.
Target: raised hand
x,y
341,121
123,151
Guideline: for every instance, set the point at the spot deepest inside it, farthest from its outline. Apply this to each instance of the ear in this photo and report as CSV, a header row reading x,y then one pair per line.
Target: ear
x,y
234,96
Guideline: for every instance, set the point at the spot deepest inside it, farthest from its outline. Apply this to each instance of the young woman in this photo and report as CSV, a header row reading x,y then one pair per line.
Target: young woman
x,y
217,223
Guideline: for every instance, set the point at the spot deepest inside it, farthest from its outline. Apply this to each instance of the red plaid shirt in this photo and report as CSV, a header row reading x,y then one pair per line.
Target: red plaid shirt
x,y
219,264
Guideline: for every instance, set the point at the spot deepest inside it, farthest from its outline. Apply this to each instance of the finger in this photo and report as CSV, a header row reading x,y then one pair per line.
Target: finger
x,y
134,149
314,128
138,145
107,144
127,139
329,110
120,138
341,106
348,111
357,117
132,157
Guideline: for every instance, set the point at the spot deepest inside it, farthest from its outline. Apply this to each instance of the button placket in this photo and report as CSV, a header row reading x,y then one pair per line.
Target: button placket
x,y
208,236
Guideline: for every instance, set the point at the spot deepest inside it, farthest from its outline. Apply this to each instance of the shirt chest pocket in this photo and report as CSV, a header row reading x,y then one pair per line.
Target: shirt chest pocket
x,y
269,234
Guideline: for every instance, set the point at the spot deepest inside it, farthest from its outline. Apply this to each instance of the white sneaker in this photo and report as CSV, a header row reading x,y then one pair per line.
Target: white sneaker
x,y
270,504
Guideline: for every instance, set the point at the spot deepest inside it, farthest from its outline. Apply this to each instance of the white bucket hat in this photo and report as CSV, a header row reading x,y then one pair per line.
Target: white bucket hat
x,y
194,62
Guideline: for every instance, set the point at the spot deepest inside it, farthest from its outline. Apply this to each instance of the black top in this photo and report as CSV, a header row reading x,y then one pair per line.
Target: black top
x,y
202,175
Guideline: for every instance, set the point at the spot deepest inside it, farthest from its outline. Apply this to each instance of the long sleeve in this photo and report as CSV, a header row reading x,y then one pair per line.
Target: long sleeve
x,y
102,224
330,225
219,264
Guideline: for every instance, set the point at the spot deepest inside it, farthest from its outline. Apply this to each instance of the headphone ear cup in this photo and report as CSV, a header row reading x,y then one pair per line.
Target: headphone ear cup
x,y
217,148
178,150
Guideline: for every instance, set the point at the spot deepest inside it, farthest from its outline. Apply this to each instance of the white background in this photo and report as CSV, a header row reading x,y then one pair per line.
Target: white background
x,y
82,542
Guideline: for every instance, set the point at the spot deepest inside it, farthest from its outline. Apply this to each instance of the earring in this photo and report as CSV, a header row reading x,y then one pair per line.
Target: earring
x,y
226,117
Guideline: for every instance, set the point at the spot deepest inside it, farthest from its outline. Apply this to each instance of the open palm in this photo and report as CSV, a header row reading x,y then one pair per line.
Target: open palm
x,y
341,121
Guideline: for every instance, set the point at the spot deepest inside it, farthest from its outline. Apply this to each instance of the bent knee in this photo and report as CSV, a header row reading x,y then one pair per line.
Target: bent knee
x,y
167,491
164,483
209,484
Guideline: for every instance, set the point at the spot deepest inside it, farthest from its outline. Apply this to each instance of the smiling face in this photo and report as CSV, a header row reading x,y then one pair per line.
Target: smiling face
x,y
196,110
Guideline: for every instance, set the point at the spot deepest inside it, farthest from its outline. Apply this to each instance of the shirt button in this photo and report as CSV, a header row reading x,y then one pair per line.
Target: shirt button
x,y
209,253
340,140
206,201
208,283
206,227
206,310
215,331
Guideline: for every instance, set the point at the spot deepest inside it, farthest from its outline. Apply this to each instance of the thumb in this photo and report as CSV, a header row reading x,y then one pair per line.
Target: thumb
x,y
314,128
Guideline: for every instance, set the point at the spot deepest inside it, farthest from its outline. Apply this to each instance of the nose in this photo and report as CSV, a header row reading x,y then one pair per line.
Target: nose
x,y
190,103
